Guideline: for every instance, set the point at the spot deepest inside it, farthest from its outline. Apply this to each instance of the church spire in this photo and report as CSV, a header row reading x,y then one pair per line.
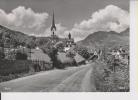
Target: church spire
x,y
69,36
53,27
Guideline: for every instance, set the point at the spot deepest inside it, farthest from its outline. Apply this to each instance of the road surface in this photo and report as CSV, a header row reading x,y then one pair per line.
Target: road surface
x,y
72,79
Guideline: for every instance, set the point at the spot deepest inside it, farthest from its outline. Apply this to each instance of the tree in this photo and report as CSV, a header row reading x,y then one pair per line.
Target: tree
x,y
53,56
2,55
70,54
59,45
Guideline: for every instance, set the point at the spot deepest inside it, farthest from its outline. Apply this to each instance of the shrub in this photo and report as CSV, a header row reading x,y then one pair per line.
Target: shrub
x,y
70,54
107,80
13,67
2,55
21,56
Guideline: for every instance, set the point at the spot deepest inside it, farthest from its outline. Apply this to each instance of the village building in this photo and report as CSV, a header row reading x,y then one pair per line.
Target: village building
x,y
69,43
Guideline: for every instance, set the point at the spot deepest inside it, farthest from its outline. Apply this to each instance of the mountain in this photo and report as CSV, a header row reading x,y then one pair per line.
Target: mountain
x,y
106,39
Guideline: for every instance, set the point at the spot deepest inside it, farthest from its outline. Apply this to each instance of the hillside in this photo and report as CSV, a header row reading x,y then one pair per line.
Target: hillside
x,y
15,37
106,39
94,40
19,38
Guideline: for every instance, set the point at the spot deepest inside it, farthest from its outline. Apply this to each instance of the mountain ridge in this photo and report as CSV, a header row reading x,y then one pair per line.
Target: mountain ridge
x,y
106,39
94,40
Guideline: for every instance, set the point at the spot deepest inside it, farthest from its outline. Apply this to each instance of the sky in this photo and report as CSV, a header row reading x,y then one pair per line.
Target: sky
x,y
79,17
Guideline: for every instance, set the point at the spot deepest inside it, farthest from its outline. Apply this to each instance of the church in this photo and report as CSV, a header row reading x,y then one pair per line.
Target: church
x,y
53,29
69,41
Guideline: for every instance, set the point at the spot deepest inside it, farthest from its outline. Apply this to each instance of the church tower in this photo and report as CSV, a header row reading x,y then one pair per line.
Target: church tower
x,y
69,43
53,27
69,36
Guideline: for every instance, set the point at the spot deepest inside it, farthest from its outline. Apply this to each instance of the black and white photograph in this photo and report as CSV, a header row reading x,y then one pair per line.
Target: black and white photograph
x,y
64,46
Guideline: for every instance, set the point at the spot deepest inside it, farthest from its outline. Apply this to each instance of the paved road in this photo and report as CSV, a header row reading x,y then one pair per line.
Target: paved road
x,y
73,79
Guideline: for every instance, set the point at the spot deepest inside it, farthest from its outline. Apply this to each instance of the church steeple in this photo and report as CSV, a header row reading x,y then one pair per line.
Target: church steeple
x,y
53,27
69,36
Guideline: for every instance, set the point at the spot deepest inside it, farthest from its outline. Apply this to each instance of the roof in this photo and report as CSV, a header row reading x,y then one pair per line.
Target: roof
x,y
78,58
37,54
63,58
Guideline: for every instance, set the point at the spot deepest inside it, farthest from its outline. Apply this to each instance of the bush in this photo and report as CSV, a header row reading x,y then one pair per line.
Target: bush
x,y
7,78
2,55
21,56
13,67
70,54
108,81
